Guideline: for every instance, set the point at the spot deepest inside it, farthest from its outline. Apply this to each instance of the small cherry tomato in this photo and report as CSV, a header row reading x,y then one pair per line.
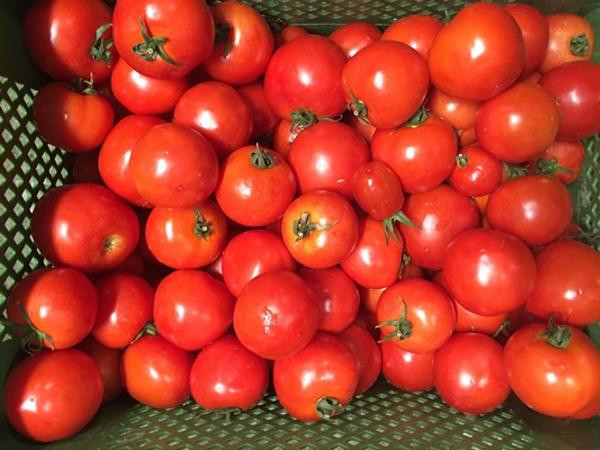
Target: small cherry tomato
x,y
287,34
534,27
416,30
377,190
405,370
108,361
366,351
571,38
476,173
355,36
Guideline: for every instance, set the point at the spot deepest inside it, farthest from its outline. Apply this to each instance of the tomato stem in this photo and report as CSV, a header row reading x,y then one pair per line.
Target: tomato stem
x,y
302,227
328,407
418,118
83,86
223,36
514,171
402,327
580,45
152,47
550,167
100,49
202,227
462,160
261,159
557,336
389,223
360,111
502,329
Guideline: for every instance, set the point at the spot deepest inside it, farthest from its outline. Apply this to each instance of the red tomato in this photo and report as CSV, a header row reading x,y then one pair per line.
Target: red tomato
x,y
264,118
554,371
458,112
383,71
174,166
377,190
337,297
255,187
568,284
84,226
284,135
124,307
478,54
108,361
74,121
50,396
535,208
318,381
438,216
226,374
366,351
405,370
563,160
163,39
115,156
416,315
355,36
590,411
57,306
276,314
320,229
191,309
534,27
366,130
416,30
156,373
468,373
422,156
571,38
288,34
370,297
326,155
476,173
469,321
518,124
488,271
70,38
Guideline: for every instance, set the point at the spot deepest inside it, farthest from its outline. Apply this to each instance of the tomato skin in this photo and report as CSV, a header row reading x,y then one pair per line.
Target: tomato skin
x,y
478,359
534,27
288,34
276,314
458,112
405,370
324,368
562,30
367,353
264,118
108,361
416,30
370,297
569,155
468,321
557,382
226,374
535,208
99,236
355,36
476,173
478,54
283,137
366,130
590,411
377,190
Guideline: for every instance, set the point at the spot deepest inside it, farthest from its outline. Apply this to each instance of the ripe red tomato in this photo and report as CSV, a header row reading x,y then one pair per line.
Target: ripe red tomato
x,y
226,374
287,34
438,216
84,226
264,118
156,373
57,306
326,155
563,160
163,39
74,121
70,38
174,166
590,411
571,38
318,381
476,173
108,361
405,370
382,71
366,130
458,112
416,315
568,284
124,307
85,168
468,373
366,351
416,30
355,36
191,309
478,54
468,321
422,156
115,156
305,74
554,371
320,229
377,190
535,208
488,271
276,314
534,27
50,396
284,135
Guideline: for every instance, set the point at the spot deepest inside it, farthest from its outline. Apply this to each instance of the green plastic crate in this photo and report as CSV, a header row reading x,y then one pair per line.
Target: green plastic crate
x,y
382,418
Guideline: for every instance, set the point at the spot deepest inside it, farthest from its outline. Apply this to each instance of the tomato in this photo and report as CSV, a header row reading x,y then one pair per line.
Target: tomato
x,y
534,27
284,135
571,38
416,30
478,54
366,351
535,208
255,187
320,229
191,308
380,72
337,297
174,166
226,374
264,118
458,112
70,38
115,156
568,284
156,373
318,381
355,36
590,411
276,314
422,156
518,124
476,173
84,226
108,361
438,216
74,121
468,373
563,160
287,34
576,86
405,370
377,190
470,321
488,271
370,297
366,130
253,253
326,155
124,307
554,370
416,315
163,39
50,396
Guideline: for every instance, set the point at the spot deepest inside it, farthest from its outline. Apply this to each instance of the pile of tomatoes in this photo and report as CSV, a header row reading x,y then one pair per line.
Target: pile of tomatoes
x,y
310,210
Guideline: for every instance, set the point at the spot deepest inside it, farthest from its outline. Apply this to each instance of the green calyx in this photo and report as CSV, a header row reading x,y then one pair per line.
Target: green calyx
x,y
32,338
100,49
304,118
261,158
418,118
580,45
148,329
328,407
152,47
402,327
223,36
550,167
303,226
513,171
462,160
389,224
202,227
360,111
558,336
83,86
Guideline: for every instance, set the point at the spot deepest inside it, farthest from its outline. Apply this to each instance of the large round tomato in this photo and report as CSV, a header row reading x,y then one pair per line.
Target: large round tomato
x,y
416,30
264,118
367,353
476,173
355,36
377,190
563,160
571,38
405,370
108,361
534,27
